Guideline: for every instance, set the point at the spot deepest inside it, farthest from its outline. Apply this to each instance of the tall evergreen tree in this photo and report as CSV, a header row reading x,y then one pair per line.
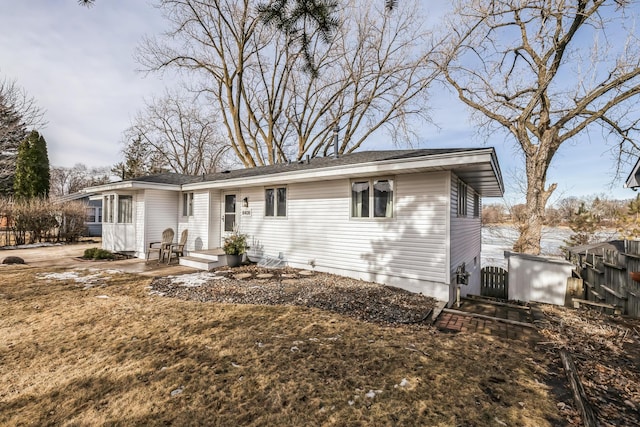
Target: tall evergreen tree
x,y
139,160
18,113
12,131
32,168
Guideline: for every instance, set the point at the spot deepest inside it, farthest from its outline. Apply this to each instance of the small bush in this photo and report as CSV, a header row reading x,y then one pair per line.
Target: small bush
x,y
97,253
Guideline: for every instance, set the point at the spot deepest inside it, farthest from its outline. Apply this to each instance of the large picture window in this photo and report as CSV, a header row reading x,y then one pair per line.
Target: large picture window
x,y
275,202
381,198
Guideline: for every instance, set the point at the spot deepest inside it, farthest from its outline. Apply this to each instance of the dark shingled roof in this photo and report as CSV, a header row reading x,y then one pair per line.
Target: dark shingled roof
x,y
314,163
167,178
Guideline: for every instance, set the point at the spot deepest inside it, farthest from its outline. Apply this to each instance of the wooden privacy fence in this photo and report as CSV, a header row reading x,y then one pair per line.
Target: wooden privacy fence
x,y
609,279
494,282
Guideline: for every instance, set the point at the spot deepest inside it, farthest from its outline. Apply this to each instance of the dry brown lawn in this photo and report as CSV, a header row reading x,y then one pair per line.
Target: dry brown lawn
x,y
109,352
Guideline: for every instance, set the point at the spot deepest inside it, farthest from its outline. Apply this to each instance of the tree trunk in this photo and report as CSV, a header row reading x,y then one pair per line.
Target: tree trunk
x,y
530,226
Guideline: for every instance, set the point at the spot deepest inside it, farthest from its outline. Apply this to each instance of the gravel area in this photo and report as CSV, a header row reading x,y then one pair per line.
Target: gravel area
x,y
253,285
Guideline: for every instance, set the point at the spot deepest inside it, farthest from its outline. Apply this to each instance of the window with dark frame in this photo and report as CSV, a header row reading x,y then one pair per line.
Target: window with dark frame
x,y
476,205
462,198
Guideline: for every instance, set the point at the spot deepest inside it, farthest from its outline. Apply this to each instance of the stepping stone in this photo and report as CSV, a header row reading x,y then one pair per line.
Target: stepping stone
x,y
288,276
264,276
306,273
242,276
289,282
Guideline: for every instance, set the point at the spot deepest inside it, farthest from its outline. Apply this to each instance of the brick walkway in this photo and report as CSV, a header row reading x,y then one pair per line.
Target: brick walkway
x,y
488,317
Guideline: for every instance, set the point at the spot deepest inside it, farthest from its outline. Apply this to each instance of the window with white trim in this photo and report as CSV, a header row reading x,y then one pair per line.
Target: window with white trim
x,y
462,198
275,202
125,209
187,204
366,203
109,202
94,214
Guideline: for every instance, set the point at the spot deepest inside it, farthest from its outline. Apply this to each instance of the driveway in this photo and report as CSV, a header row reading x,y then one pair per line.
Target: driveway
x,y
68,256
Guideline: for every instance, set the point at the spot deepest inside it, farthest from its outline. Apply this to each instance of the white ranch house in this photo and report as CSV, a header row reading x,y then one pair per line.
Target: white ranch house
x,y
405,218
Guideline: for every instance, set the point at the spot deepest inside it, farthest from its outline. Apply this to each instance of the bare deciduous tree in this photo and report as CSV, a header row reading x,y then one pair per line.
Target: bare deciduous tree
x,y
71,180
546,72
371,75
178,135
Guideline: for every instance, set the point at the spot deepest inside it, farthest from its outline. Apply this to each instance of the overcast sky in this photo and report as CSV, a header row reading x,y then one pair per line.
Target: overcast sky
x,y
78,63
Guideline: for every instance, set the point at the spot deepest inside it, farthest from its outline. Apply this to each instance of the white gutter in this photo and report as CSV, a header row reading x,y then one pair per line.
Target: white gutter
x,y
131,185
431,162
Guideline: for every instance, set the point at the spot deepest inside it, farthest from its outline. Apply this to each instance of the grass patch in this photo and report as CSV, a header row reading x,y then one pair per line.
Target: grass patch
x,y
112,353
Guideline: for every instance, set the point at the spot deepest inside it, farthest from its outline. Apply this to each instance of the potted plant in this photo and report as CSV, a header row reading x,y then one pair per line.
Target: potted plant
x,y
235,245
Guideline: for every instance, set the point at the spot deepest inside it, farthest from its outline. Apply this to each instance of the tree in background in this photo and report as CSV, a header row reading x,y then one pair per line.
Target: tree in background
x,y
629,222
71,180
371,77
139,160
18,113
546,73
584,224
493,214
32,168
174,133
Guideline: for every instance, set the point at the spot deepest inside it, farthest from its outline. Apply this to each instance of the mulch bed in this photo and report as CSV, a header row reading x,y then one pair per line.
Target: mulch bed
x,y
287,286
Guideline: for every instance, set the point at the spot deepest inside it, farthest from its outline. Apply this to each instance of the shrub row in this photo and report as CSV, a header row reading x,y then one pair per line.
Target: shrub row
x,y
42,220
97,253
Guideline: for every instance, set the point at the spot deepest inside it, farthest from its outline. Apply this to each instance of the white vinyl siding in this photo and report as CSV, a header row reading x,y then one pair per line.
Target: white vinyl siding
x,y
408,250
197,222
161,213
466,239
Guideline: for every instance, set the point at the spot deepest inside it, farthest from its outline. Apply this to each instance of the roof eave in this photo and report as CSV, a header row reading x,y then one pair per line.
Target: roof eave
x,y
446,161
632,179
132,185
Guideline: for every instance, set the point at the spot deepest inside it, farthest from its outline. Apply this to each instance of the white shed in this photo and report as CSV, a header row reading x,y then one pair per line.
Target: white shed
x,y
537,278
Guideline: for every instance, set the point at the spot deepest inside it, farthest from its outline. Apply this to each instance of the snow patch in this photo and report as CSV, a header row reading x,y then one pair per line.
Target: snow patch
x,y
193,280
79,276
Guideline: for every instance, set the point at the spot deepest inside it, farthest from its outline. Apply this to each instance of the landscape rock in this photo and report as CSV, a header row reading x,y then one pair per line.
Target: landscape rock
x,y
13,260
362,300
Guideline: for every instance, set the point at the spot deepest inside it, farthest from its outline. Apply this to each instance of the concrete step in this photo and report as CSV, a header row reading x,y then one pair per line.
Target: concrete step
x,y
202,263
210,255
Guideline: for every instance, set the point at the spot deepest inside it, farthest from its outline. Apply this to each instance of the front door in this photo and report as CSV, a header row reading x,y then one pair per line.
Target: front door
x,y
229,215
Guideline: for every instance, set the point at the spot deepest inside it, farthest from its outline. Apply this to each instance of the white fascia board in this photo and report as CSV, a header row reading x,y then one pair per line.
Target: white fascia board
x,y
131,185
632,181
412,164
